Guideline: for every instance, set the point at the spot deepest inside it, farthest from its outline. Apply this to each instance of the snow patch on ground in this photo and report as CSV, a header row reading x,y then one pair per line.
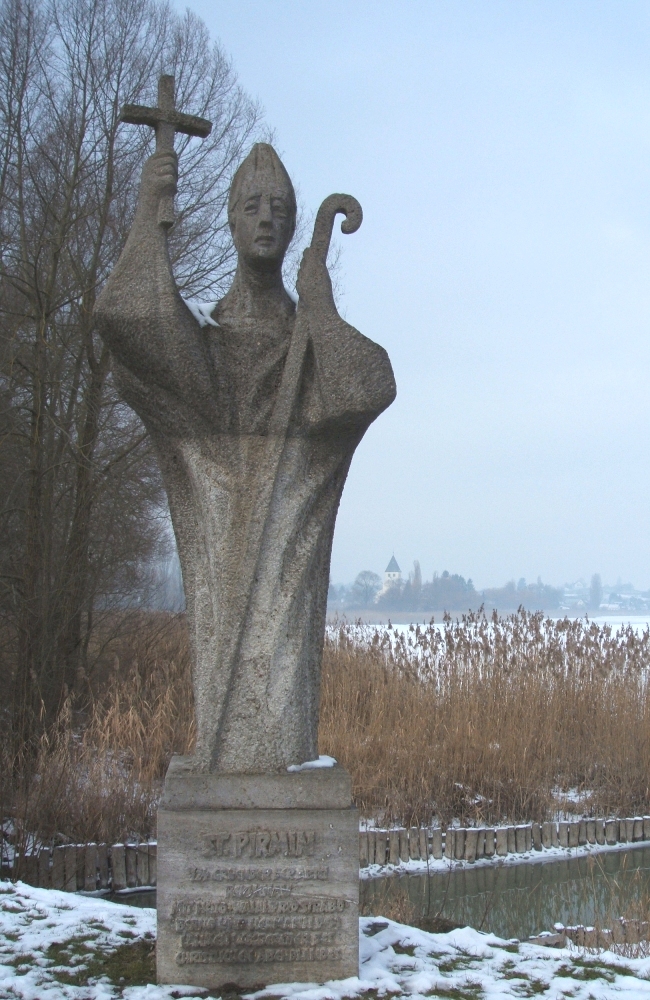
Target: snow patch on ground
x,y
46,936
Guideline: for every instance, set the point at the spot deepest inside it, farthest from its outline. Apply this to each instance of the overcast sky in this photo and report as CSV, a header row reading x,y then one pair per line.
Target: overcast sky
x,y
501,153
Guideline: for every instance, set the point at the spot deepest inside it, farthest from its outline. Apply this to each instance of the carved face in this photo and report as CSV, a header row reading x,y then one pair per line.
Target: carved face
x,y
262,223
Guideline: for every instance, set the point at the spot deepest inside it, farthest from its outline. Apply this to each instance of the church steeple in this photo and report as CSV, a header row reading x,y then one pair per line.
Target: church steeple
x,y
392,574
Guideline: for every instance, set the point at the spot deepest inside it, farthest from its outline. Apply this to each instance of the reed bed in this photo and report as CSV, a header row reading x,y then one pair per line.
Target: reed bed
x,y
481,720
97,774
486,719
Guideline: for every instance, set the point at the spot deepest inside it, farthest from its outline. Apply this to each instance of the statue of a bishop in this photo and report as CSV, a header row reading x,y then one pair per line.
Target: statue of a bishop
x,y
255,417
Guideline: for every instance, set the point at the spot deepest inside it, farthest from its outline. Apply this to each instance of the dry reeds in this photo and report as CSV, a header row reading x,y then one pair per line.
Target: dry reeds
x,y
482,719
97,775
479,720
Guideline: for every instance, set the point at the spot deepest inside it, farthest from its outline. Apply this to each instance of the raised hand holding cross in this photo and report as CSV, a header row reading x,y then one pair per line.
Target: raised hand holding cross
x,y
167,121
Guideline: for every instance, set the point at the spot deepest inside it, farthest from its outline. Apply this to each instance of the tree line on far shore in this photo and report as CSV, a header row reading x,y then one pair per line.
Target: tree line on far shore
x,y
444,592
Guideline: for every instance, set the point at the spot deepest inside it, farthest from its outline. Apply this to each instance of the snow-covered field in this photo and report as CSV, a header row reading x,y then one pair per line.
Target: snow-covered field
x,y
60,946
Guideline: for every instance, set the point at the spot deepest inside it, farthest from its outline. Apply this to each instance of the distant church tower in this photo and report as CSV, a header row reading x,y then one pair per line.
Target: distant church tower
x,y
393,574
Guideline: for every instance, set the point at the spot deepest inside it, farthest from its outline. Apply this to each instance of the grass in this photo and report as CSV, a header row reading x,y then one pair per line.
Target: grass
x,y
132,964
587,971
470,991
404,949
480,719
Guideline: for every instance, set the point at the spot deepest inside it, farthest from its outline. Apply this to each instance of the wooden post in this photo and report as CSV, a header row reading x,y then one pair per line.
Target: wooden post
x,y
81,866
582,832
490,842
44,868
459,853
471,838
142,864
574,832
591,831
414,843
536,834
436,843
563,834
546,834
30,869
637,830
424,843
118,867
102,865
502,841
58,868
512,840
599,826
393,847
70,865
646,827
611,831
131,869
450,843
381,847
153,869
555,837
403,844
90,868
372,846
520,839
480,842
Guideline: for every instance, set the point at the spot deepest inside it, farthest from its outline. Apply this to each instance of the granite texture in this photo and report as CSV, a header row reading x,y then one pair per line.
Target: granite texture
x,y
255,418
251,896
188,788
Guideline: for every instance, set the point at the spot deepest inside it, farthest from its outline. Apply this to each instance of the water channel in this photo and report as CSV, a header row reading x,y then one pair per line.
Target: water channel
x,y
524,899
510,900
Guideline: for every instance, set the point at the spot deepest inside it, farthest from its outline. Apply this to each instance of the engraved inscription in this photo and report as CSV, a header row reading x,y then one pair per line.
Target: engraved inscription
x,y
259,844
194,908
245,956
245,930
284,874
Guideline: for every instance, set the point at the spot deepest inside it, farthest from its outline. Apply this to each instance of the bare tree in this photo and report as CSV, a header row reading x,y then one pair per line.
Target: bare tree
x,y
82,502
366,586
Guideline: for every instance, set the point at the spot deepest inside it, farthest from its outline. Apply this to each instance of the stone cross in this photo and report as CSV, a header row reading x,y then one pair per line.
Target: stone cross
x,y
167,122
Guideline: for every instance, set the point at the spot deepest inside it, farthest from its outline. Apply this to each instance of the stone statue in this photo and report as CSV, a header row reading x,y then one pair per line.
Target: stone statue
x,y
255,417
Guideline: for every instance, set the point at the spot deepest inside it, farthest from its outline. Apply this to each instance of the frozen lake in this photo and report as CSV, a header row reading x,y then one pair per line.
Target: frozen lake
x,y
402,623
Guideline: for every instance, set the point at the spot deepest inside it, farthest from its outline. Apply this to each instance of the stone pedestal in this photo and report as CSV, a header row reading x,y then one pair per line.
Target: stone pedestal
x,y
258,878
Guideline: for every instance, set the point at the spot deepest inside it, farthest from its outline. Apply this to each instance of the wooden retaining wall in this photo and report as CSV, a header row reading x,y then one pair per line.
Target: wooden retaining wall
x,y
622,931
381,847
89,867
129,866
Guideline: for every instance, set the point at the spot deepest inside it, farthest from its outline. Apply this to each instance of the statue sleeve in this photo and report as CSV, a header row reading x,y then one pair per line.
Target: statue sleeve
x,y
149,329
351,376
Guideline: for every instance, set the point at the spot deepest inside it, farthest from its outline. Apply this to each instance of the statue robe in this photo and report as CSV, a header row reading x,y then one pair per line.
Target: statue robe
x,y
254,463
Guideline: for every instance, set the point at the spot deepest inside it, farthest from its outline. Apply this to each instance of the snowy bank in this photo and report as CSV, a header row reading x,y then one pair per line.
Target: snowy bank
x,y
58,946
